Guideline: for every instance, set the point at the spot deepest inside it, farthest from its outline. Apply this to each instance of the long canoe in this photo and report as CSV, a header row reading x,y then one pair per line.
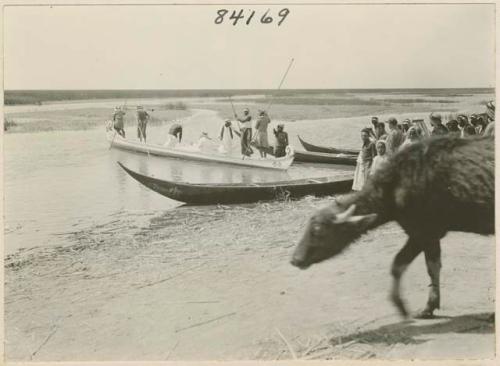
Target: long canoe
x,y
315,157
209,194
329,150
323,158
118,142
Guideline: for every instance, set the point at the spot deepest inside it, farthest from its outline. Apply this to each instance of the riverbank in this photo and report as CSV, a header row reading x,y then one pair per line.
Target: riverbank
x,y
215,283
83,119
287,106
120,275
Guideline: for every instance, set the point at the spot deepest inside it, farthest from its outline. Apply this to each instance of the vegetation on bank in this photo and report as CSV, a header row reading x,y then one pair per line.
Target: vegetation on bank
x,y
83,119
13,97
8,124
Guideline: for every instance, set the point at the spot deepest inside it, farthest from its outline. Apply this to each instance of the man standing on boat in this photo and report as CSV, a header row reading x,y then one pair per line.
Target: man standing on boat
x,y
281,141
246,132
261,133
142,122
118,124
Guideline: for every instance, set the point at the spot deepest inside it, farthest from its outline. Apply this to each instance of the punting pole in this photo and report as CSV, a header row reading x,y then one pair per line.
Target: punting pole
x,y
281,83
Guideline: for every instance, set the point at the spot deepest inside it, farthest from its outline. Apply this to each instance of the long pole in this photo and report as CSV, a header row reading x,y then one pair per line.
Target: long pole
x,y
281,83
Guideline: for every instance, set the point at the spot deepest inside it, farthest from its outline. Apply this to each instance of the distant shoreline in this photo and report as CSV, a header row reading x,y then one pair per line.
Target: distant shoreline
x,y
37,97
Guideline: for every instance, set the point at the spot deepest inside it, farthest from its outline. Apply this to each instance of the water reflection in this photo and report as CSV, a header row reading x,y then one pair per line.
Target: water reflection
x,y
59,182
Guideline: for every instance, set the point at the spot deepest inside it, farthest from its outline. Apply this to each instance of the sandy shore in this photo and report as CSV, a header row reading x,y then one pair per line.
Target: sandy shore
x,y
199,283
215,283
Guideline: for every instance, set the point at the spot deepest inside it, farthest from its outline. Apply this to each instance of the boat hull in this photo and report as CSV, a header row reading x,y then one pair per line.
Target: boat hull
x,y
315,157
210,194
323,158
329,150
270,163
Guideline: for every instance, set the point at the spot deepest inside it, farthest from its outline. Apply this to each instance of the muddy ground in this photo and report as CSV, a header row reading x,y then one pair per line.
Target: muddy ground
x,y
215,283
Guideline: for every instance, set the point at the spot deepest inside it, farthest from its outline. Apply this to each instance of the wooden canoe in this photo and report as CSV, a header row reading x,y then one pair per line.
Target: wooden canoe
x,y
329,150
315,157
324,158
227,193
119,142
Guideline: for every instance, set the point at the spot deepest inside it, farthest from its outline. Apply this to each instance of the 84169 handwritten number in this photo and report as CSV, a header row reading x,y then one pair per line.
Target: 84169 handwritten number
x,y
240,14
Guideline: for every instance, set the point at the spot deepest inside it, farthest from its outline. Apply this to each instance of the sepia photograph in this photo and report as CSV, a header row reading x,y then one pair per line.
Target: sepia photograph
x,y
255,181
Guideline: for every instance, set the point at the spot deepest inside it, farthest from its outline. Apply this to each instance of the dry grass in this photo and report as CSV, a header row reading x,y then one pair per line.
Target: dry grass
x,y
83,119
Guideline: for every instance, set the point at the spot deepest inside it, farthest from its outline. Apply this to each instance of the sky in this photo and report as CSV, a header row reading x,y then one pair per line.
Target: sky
x,y
180,47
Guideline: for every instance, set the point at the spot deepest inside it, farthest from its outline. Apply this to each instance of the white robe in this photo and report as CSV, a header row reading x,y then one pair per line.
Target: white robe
x,y
171,142
227,141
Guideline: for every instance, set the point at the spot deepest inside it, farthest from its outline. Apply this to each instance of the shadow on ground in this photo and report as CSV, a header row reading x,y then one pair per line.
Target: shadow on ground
x,y
407,331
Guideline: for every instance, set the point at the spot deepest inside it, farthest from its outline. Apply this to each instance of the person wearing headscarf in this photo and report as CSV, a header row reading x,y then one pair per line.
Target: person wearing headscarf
x,y
453,129
380,132
226,136
174,136
469,131
381,158
490,114
414,135
261,139
406,125
364,161
463,122
437,125
395,137
246,132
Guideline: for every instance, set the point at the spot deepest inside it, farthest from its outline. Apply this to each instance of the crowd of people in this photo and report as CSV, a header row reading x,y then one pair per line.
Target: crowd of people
x,y
378,144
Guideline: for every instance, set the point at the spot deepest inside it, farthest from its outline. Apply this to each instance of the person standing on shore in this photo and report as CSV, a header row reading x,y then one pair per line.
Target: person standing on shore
x,y
142,122
364,161
437,125
261,134
395,137
374,129
118,123
246,132
380,133
490,114
381,158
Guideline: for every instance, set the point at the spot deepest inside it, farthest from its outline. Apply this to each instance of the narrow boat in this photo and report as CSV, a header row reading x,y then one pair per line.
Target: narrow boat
x,y
323,158
329,150
227,193
315,157
119,142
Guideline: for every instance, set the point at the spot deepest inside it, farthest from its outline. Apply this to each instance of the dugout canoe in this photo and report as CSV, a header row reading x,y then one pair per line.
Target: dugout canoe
x,y
329,150
324,158
315,157
228,193
119,142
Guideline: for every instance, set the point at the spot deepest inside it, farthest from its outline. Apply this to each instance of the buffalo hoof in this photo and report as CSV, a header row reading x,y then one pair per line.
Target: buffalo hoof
x,y
400,305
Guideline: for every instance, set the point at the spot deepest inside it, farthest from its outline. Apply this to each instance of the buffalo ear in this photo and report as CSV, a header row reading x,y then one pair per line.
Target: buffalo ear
x,y
362,221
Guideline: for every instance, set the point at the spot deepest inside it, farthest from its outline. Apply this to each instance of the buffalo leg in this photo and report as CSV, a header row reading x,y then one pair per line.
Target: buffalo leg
x,y
433,263
401,262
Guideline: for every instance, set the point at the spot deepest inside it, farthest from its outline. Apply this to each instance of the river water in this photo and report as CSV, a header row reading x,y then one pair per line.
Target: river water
x,y
65,181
